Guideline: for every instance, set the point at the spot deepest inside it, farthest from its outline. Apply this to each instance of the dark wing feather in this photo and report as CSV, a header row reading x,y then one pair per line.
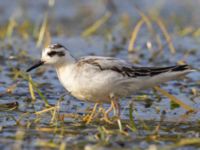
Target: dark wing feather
x,y
152,71
122,67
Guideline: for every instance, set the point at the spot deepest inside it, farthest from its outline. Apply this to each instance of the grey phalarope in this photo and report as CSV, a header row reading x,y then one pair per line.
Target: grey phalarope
x,y
104,79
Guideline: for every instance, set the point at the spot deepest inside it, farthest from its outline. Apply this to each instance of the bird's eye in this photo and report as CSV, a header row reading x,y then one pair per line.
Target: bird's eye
x,y
53,53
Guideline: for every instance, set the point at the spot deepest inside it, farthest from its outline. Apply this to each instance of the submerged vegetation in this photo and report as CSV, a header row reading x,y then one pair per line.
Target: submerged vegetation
x,y
36,112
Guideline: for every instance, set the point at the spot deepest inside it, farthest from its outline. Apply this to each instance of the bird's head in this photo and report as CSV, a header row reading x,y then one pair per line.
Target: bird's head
x,y
55,54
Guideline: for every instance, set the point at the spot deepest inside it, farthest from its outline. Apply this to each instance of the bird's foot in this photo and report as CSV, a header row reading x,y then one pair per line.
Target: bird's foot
x,y
88,118
106,118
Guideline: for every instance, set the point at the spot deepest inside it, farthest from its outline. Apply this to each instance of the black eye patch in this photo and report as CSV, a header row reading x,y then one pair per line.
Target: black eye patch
x,y
53,53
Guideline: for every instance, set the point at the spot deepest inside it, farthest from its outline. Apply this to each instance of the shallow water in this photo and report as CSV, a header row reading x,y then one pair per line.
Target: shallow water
x,y
157,124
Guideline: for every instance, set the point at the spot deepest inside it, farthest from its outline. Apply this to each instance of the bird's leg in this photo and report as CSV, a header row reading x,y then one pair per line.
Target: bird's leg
x,y
115,106
117,109
88,118
106,114
110,108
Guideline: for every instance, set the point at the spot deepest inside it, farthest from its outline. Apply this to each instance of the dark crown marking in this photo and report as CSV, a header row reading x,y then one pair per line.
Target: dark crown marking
x,y
56,46
58,53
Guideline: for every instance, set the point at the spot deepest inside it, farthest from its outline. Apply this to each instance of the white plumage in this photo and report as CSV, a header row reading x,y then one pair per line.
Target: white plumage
x,y
102,79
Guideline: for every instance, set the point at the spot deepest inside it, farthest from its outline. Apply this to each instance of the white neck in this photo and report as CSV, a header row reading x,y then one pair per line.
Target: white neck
x,y
64,69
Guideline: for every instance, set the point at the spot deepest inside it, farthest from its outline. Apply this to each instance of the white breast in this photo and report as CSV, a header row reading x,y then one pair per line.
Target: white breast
x,y
90,84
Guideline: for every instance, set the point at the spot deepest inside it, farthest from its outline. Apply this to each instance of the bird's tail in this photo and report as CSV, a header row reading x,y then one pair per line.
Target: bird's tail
x,y
149,77
180,68
169,73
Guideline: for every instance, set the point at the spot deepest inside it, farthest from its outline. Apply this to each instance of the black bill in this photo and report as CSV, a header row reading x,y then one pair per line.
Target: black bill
x,y
35,66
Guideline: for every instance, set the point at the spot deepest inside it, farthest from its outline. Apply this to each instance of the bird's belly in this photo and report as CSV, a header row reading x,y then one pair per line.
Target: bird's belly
x,y
89,86
91,95
89,91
